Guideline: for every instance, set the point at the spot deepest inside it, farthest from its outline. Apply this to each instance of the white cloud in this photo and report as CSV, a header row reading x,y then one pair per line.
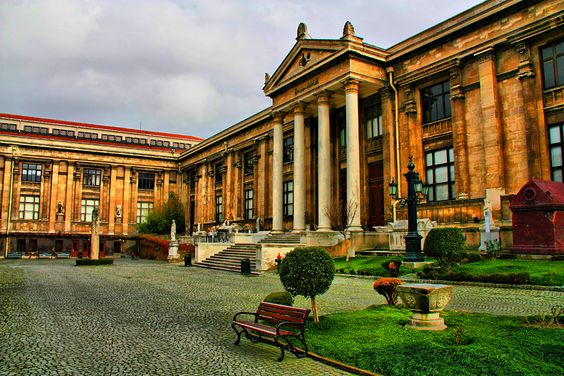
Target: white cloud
x,y
187,66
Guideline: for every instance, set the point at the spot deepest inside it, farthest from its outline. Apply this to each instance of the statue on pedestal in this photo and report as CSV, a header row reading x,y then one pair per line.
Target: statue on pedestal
x,y
173,231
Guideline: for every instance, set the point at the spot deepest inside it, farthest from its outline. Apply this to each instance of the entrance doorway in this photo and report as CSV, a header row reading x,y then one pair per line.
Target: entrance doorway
x,y
376,194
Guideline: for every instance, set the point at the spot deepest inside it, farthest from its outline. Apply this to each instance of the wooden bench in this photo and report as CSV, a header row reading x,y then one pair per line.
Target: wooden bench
x,y
284,324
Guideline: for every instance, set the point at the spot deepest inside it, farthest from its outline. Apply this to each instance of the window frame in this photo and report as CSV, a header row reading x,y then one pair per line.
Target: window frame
x,y
144,183
89,174
218,204
34,201
288,199
556,146
428,99
143,210
249,203
34,177
553,61
288,149
88,203
431,174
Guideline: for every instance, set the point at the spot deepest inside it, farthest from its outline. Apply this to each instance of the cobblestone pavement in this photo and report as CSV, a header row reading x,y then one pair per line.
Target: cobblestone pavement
x,y
152,318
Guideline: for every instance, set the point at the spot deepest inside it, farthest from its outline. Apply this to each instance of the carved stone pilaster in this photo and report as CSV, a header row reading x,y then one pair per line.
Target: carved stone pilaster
x,y
526,68
456,90
160,178
410,107
386,92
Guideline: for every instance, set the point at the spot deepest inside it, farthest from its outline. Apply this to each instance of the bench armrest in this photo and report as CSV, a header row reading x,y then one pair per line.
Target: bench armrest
x,y
245,313
296,326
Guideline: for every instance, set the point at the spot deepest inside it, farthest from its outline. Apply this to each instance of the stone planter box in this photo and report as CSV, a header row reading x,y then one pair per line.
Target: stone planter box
x,y
426,301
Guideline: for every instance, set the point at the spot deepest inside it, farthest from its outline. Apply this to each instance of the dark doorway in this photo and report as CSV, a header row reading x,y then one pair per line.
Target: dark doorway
x,y
117,247
20,246
86,248
74,252
375,194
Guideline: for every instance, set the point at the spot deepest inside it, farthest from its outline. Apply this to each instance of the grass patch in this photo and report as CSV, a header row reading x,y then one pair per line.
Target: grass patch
x,y
541,272
89,262
474,344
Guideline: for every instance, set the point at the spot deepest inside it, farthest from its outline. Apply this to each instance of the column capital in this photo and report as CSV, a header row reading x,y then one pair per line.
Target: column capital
x,y
323,97
351,85
526,67
278,116
299,107
485,55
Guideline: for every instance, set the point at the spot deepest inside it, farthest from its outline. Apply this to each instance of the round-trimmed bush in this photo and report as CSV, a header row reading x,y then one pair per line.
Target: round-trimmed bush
x,y
307,271
446,245
282,297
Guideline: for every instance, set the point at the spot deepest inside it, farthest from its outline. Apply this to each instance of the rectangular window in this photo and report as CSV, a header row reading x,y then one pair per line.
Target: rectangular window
x,y
288,149
86,209
288,199
146,181
218,209
440,174
248,170
217,173
31,172
373,120
29,207
9,127
248,203
556,147
436,102
553,65
143,209
91,177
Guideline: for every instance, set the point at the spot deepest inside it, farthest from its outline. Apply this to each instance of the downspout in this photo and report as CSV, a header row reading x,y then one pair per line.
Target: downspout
x,y
7,242
396,128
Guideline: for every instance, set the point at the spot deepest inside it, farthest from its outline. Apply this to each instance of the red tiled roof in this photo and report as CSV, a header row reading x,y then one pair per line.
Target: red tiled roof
x,y
96,126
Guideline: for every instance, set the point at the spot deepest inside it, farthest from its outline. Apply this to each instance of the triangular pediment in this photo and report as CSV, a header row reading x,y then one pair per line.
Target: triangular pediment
x,y
306,55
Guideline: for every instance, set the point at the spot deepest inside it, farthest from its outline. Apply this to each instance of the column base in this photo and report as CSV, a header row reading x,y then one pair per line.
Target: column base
x,y
324,229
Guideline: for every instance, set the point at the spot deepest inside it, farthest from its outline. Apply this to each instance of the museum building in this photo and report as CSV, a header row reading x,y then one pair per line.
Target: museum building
x,y
476,101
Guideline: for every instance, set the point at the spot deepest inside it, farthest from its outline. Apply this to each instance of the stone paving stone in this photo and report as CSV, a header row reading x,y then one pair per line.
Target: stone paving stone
x,y
153,318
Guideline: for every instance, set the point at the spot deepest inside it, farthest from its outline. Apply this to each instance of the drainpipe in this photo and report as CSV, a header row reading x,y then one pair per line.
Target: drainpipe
x,y
390,71
7,242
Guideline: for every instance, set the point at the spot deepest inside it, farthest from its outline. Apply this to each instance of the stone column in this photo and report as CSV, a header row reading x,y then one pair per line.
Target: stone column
x,y
459,133
53,196
324,161
299,168
491,121
353,150
69,197
277,173
126,199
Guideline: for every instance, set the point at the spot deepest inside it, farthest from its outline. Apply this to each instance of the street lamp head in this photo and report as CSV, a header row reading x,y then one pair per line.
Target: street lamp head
x,y
417,184
393,188
426,187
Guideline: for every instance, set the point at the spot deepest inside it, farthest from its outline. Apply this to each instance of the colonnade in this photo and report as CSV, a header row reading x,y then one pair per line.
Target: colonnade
x,y
324,161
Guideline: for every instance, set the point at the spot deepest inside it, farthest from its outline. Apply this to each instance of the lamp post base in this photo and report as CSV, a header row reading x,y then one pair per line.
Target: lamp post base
x,y
413,247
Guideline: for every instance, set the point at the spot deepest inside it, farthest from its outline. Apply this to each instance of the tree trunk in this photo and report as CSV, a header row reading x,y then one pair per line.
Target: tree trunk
x,y
314,309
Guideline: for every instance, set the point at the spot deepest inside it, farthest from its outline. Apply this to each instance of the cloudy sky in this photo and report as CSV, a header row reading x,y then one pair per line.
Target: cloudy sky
x,y
183,66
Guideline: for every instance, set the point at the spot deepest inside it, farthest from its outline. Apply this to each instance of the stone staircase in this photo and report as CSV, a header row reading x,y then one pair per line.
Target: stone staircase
x,y
230,258
286,238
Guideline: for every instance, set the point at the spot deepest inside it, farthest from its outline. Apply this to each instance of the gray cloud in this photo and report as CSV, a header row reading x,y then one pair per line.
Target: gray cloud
x,y
191,67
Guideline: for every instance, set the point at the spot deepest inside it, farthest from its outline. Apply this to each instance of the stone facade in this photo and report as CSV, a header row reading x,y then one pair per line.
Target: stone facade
x,y
476,100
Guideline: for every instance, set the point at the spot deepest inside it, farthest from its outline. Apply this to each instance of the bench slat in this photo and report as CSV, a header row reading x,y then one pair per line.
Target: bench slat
x,y
262,328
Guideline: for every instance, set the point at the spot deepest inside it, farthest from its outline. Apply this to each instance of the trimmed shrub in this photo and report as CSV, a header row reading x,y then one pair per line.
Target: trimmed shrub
x,y
307,271
282,297
392,266
90,262
446,245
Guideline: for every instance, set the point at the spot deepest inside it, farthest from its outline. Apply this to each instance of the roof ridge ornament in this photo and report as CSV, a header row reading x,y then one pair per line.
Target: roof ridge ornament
x,y
302,31
348,29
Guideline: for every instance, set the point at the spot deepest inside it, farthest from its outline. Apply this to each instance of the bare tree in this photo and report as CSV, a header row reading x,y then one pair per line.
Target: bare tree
x,y
341,217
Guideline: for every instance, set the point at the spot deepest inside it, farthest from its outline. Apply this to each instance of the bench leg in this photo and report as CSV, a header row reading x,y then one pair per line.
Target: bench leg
x,y
239,333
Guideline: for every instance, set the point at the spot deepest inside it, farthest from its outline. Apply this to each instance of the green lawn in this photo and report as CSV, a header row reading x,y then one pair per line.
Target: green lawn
x,y
542,272
374,339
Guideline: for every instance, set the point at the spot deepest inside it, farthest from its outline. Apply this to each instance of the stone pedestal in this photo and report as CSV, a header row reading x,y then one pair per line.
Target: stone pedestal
x,y
60,217
173,251
493,234
398,231
426,301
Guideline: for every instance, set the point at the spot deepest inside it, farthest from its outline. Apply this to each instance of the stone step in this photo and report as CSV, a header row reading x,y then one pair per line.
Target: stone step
x,y
232,270
225,264
227,258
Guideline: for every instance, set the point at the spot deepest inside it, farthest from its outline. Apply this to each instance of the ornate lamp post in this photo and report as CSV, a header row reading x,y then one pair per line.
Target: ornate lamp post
x,y
415,189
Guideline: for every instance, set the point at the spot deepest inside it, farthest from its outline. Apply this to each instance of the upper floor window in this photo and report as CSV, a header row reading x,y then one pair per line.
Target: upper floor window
x,y
91,177
249,168
86,209
373,119
31,172
62,132
556,145
288,149
88,135
553,65
248,203
440,174
9,127
38,130
436,102
146,181
288,198
218,168
29,207
111,137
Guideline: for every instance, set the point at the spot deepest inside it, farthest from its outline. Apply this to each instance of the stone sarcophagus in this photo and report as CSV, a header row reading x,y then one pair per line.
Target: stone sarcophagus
x,y
538,218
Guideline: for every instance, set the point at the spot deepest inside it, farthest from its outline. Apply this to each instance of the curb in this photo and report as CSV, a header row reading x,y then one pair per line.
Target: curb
x,y
462,283
339,365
